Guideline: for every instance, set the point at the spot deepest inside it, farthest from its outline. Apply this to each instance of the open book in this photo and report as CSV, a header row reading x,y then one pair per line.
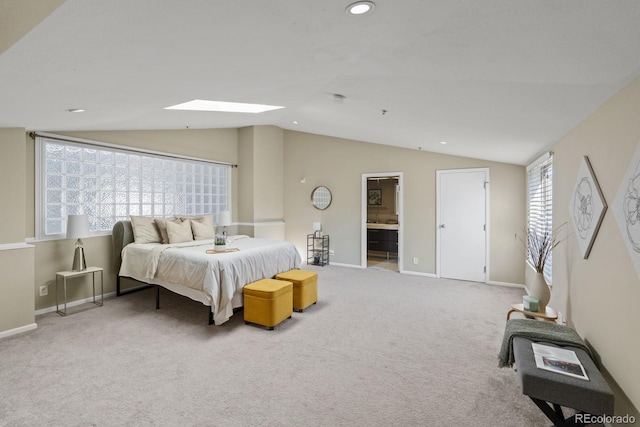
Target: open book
x,y
560,360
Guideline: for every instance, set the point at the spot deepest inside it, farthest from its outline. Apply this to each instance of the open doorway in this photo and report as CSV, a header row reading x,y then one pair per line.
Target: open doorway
x,y
381,245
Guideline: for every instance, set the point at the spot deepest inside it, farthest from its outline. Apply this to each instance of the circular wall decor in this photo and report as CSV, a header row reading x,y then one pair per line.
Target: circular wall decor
x,y
321,197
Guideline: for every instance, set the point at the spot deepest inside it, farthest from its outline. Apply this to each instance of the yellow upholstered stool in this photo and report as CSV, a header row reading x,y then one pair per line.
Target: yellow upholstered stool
x,y
268,302
305,287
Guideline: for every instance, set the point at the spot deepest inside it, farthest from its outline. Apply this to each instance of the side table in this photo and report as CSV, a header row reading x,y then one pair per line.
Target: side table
x,y
550,315
64,275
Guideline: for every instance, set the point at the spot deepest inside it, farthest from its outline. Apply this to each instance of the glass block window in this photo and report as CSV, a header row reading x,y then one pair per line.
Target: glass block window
x,y
110,184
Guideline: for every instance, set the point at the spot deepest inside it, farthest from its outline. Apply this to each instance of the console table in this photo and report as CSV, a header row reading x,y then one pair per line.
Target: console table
x,y
64,275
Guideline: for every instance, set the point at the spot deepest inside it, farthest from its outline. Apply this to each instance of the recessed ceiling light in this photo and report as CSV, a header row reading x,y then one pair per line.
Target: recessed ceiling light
x,y
443,142
360,7
226,107
75,110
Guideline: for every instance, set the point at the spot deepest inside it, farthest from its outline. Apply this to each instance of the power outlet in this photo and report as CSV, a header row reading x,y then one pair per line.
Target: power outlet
x,y
561,319
44,290
331,252
415,260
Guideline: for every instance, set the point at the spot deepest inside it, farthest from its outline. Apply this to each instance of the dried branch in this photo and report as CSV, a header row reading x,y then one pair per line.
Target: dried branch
x,y
539,246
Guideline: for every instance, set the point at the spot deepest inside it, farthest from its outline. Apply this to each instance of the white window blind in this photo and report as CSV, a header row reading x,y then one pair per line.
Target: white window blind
x,y
540,201
110,184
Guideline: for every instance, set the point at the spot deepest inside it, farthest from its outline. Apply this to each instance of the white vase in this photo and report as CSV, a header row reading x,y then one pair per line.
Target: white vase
x,y
220,248
538,288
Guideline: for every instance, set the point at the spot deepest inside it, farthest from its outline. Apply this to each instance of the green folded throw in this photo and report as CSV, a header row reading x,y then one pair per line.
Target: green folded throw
x,y
537,331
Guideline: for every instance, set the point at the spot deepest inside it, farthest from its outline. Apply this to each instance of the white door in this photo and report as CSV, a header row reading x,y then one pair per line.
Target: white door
x,y
462,225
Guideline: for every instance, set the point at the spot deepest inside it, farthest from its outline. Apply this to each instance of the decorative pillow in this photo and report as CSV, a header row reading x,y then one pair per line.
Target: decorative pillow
x,y
202,231
204,219
179,233
144,230
161,223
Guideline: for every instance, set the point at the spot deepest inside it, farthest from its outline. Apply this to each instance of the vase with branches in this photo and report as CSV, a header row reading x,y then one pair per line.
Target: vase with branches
x,y
539,246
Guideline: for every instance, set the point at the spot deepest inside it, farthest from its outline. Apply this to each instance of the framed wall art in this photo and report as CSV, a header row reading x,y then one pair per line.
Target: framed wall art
x,y
375,197
587,207
626,209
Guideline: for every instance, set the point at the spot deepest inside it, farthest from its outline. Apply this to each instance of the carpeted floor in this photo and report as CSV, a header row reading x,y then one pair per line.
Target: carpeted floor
x,y
379,349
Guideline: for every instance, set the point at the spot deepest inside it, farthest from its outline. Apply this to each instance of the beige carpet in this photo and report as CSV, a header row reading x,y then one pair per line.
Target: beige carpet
x,y
379,349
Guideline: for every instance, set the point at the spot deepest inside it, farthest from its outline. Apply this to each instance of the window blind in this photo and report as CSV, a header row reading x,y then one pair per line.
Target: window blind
x,y
540,201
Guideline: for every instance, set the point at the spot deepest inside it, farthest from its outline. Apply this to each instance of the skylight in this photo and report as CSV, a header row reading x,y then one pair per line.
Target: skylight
x,y
227,107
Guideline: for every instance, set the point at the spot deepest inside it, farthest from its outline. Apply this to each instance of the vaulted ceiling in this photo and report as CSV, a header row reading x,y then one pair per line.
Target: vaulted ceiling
x,y
497,80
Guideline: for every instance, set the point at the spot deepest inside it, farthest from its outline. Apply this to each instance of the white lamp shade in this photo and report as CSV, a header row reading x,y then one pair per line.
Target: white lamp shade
x,y
317,226
224,218
77,226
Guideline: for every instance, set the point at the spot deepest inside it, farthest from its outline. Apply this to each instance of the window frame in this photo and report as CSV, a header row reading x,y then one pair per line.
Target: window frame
x,y
540,212
40,186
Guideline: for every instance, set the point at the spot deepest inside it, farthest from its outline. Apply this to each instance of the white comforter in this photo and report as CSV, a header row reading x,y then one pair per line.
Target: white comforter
x,y
187,269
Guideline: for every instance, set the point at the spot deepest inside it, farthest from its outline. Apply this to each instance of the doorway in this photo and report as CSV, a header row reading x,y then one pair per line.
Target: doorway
x,y
462,227
381,233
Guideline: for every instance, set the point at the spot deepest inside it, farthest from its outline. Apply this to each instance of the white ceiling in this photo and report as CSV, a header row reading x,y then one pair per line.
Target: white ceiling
x,y
498,80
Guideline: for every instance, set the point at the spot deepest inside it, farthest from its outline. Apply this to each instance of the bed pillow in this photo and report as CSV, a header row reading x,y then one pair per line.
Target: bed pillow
x,y
202,231
145,230
179,233
161,223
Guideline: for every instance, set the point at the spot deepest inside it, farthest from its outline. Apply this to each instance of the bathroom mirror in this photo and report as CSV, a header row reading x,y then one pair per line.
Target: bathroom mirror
x,y
321,198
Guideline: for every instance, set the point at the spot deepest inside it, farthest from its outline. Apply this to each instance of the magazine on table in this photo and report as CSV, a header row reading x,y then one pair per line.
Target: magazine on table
x,y
560,360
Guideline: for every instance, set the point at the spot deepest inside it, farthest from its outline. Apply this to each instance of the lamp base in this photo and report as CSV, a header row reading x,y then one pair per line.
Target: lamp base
x,y
79,262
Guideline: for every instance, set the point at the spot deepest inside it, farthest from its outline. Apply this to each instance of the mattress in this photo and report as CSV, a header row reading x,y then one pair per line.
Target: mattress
x,y
215,279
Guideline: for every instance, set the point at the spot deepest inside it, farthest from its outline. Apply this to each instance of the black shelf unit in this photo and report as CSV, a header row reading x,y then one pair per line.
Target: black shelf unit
x,y
317,250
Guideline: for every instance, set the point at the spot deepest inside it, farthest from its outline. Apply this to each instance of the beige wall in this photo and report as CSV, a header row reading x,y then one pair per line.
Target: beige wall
x,y
13,182
16,289
245,175
268,169
339,165
16,258
600,295
18,17
260,181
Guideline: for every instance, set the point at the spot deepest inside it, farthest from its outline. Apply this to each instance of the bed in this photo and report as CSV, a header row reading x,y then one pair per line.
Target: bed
x,y
214,279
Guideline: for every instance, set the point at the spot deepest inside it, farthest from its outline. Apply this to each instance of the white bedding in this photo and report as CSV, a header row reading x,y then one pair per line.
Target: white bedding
x,y
213,279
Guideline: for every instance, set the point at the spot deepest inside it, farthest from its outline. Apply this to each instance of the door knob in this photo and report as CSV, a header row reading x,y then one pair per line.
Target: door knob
x,y
442,226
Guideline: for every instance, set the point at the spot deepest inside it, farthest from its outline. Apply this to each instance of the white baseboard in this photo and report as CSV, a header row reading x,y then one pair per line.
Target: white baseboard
x,y
338,264
19,330
507,284
72,303
417,273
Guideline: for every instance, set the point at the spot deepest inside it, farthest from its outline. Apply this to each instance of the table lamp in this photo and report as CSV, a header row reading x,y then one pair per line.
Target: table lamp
x,y
77,228
224,219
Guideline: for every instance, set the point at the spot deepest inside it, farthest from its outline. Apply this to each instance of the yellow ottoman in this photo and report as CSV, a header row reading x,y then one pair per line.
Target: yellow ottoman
x,y
268,302
305,287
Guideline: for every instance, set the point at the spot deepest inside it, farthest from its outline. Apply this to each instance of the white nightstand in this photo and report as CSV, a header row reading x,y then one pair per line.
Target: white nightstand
x,y
64,275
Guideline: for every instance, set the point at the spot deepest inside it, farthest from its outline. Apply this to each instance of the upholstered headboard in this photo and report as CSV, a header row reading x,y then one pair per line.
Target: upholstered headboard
x,y
121,235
